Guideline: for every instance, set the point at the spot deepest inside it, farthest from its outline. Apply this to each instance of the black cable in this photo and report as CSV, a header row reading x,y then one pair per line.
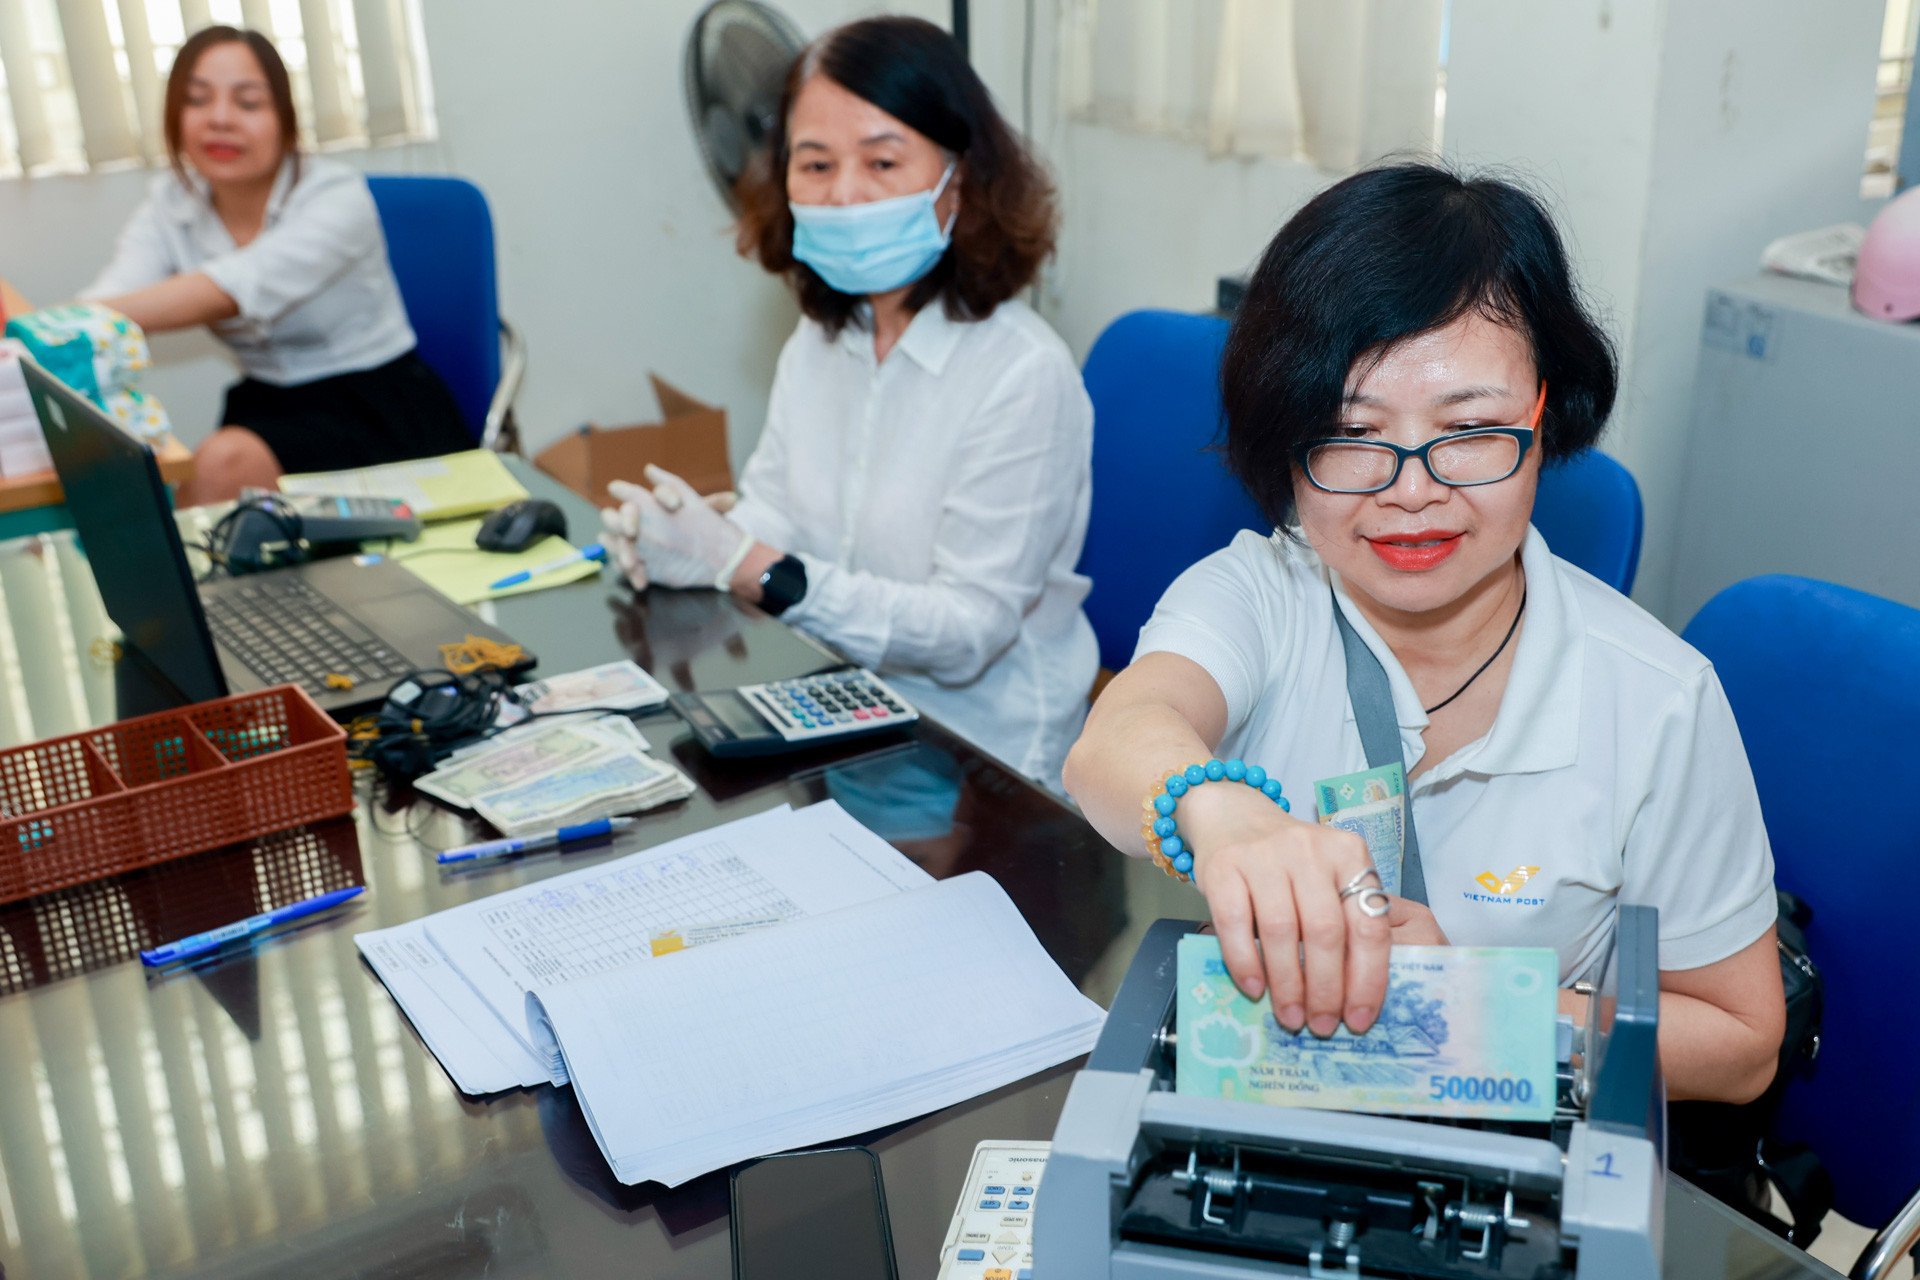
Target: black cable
x,y
410,825
429,713
1511,628
271,507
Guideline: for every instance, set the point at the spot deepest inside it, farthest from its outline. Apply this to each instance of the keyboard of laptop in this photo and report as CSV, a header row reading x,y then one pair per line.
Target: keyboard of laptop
x,y
286,632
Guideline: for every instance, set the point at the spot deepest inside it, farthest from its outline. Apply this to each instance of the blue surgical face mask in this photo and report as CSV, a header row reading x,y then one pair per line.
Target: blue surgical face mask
x,y
872,247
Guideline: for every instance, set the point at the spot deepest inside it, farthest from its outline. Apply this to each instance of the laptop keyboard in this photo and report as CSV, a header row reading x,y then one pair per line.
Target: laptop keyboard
x,y
288,633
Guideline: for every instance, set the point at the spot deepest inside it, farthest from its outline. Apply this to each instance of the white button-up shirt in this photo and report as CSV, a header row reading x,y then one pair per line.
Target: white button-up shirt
x,y
1613,772
316,294
938,500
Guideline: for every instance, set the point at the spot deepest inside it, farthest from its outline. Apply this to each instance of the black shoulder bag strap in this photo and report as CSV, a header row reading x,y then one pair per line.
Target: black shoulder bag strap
x,y
1380,734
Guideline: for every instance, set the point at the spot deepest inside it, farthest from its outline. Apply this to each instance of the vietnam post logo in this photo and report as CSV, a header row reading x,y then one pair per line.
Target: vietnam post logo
x,y
1512,882
1506,890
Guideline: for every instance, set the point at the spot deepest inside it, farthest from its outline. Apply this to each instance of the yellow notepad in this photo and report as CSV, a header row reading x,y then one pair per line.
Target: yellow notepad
x,y
446,557
443,488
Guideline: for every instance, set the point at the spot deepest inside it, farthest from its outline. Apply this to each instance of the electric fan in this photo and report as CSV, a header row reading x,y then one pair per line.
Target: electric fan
x,y
737,59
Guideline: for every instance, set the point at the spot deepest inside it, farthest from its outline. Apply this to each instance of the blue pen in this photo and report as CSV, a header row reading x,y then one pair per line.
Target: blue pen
x,y
533,844
592,551
213,939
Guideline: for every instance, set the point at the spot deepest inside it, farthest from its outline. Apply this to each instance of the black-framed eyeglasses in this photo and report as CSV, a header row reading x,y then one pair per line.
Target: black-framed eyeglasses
x,y
1459,459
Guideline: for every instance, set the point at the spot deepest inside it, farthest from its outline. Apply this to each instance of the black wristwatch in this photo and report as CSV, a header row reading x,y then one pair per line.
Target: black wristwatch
x,y
783,585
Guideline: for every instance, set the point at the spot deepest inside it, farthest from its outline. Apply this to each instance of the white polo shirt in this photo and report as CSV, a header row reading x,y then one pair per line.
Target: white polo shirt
x,y
1613,772
315,291
938,500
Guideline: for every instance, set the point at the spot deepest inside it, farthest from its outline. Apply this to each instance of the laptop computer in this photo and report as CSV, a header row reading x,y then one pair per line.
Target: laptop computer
x,y
367,619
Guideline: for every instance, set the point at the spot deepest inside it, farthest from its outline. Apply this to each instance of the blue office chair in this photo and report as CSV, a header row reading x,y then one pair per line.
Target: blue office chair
x,y
1823,685
440,242
1588,509
1162,498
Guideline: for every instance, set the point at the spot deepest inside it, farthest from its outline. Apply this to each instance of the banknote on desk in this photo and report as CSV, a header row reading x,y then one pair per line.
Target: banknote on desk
x,y
1464,1032
611,686
595,787
524,753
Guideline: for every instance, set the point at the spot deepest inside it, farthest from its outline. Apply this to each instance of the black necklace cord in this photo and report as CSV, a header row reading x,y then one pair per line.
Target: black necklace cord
x,y
1511,628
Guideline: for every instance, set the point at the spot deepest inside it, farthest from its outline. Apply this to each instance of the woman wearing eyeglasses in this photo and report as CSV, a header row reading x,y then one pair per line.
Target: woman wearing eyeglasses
x,y
1410,353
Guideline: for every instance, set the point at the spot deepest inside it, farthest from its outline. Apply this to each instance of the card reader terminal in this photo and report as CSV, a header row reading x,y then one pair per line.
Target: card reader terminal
x,y
330,518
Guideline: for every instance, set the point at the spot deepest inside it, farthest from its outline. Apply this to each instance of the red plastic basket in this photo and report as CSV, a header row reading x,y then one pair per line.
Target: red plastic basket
x,y
141,791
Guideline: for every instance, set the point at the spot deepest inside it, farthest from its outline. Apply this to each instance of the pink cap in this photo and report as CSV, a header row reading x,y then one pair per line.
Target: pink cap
x,y
1886,279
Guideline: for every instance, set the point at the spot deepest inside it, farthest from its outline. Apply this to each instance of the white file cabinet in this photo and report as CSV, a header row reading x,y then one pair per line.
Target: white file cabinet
x,y
1804,453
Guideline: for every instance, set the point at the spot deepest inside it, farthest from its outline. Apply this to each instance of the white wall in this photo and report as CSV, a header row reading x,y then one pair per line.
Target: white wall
x,y
1577,127
1150,222
1145,221
1679,138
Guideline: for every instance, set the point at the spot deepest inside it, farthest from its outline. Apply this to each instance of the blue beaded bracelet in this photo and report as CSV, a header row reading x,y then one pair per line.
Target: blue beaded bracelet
x,y
1162,834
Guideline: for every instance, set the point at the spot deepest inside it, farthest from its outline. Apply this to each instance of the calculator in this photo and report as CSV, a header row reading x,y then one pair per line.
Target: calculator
x,y
786,715
991,1235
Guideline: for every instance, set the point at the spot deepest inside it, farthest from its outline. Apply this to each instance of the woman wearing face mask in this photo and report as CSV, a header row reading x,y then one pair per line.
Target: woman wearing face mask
x,y
282,256
919,495
1410,348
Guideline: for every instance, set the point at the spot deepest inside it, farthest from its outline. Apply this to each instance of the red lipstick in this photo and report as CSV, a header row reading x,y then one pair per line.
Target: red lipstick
x,y
1416,551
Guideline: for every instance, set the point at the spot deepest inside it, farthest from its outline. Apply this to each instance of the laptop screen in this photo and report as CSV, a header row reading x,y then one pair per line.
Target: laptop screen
x,y
120,509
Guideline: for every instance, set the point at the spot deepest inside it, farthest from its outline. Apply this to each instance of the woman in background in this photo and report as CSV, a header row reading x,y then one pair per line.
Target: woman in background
x,y
919,495
282,256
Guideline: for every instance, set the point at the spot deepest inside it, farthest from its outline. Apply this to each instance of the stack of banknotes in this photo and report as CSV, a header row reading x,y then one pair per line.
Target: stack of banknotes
x,y
1372,805
1464,1032
547,773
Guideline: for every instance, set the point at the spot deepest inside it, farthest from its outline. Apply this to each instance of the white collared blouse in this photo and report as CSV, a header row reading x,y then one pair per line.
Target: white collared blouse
x,y
316,294
1613,773
939,499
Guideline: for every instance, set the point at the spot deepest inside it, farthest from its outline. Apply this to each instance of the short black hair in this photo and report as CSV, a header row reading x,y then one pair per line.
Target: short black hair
x,y
1378,258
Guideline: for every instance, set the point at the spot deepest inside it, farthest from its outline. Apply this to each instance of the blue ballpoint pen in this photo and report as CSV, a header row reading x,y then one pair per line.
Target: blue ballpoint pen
x,y
533,844
213,939
592,551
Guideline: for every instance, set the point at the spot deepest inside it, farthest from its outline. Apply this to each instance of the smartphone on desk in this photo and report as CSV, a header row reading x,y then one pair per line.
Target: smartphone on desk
x,y
808,1214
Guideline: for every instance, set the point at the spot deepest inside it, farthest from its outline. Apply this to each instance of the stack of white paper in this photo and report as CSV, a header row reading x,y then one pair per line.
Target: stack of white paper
x,y
843,989
818,1029
23,448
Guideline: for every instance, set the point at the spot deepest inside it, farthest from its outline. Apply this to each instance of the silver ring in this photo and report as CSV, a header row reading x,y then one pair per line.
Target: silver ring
x,y
1358,884
1374,902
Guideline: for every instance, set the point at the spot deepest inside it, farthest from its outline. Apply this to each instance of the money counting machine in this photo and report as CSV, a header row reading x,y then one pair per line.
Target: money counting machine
x,y
1145,1183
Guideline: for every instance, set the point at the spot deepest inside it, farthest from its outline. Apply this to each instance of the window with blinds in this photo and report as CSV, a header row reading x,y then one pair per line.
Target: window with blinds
x,y
1894,83
82,81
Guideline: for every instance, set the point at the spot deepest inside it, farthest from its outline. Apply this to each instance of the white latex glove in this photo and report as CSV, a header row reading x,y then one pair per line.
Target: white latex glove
x,y
670,496
683,541
621,525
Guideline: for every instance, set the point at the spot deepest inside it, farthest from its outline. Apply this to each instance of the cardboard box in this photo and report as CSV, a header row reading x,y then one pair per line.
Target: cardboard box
x,y
690,440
